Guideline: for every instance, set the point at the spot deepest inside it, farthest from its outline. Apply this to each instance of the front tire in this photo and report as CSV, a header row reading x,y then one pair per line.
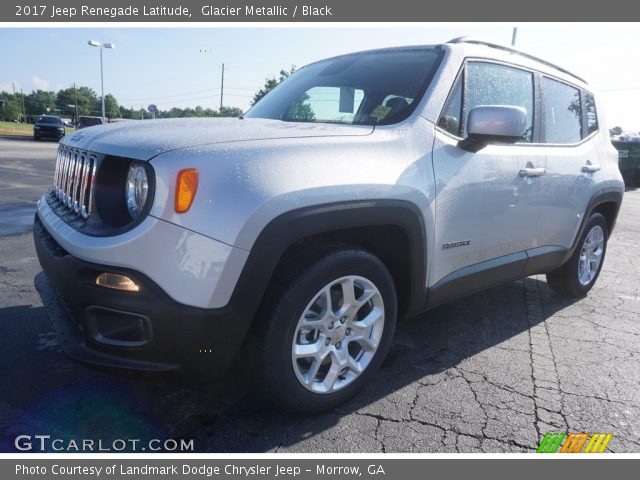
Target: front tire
x,y
577,276
325,328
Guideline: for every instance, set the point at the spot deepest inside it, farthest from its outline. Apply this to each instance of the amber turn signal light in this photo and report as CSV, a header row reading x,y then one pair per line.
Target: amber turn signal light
x,y
186,187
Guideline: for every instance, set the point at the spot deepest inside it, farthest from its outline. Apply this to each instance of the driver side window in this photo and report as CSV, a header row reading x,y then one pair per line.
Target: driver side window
x,y
484,83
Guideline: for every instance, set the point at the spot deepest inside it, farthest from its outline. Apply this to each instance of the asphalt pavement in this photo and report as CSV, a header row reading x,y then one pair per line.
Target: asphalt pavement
x,y
492,372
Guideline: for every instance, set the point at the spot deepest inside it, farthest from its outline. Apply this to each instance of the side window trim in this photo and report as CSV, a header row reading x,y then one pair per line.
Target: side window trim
x,y
543,140
538,102
460,76
585,114
538,111
583,111
535,92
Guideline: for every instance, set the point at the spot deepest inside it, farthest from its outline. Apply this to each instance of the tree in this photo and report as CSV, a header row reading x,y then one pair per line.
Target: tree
x,y
40,102
10,108
111,108
230,112
271,83
615,131
87,101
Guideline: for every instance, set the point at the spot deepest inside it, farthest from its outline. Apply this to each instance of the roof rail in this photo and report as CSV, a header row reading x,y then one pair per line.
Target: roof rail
x,y
517,52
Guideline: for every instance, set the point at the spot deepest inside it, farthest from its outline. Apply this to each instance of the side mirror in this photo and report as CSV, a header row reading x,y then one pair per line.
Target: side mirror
x,y
488,124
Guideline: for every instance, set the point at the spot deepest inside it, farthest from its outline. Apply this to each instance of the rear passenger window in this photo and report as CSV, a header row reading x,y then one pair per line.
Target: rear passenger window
x,y
592,116
562,118
494,84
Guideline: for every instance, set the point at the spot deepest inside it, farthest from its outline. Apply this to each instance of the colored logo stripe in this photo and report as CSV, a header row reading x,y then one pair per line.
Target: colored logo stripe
x,y
598,442
551,442
574,442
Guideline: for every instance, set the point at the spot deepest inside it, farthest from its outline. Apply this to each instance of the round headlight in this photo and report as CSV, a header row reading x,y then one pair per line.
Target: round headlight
x,y
136,189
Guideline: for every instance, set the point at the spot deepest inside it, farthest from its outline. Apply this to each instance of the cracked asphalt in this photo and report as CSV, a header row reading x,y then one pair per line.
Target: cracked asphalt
x,y
492,372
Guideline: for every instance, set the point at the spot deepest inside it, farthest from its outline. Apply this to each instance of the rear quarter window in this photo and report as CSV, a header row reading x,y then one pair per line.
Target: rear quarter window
x,y
592,114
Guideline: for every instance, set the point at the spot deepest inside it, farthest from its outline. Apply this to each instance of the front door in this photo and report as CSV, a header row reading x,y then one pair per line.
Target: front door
x,y
487,203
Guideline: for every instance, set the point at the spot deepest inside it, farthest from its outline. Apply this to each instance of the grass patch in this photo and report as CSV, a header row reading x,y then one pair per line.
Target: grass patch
x,y
10,128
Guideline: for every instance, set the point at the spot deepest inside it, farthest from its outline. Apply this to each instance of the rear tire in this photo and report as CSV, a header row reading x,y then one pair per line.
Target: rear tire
x,y
324,329
578,275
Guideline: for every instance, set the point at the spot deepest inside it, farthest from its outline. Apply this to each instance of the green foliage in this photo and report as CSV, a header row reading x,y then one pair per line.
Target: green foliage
x,y
229,112
301,111
271,83
39,102
111,108
88,103
10,108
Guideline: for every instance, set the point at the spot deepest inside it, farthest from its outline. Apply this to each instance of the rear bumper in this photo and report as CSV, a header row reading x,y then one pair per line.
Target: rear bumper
x,y
144,330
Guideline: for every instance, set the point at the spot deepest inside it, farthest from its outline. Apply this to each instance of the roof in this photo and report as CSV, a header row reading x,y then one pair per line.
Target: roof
x,y
477,47
512,50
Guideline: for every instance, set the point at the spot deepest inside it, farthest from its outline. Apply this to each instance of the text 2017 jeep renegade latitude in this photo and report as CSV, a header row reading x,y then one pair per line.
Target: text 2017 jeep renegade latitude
x,y
364,188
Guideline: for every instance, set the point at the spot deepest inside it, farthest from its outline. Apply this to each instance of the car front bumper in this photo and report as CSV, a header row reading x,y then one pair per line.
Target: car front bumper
x,y
48,133
143,330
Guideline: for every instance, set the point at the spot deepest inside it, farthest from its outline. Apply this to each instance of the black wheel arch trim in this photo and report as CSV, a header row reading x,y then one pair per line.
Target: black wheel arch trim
x,y
608,195
294,226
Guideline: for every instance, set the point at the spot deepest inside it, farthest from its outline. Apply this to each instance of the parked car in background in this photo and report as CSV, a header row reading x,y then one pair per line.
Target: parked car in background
x,y
86,121
628,146
48,126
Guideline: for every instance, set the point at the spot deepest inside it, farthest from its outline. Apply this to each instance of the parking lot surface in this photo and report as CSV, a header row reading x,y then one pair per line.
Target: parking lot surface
x,y
492,372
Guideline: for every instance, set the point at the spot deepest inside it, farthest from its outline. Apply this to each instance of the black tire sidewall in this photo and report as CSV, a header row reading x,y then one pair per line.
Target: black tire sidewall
x,y
284,384
572,266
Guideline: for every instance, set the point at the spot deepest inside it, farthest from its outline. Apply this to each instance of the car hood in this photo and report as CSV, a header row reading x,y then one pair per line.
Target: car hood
x,y
144,140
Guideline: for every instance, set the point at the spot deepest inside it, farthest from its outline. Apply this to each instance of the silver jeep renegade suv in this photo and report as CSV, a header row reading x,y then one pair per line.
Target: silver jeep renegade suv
x,y
364,188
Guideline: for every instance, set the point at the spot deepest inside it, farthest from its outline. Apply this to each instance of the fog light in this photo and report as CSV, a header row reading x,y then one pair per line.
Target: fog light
x,y
117,282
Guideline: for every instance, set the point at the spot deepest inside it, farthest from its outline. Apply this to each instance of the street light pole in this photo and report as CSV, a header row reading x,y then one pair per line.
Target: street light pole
x,y
102,84
222,88
100,45
75,93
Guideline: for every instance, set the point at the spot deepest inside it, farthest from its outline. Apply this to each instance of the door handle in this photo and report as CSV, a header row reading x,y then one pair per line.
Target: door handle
x,y
533,172
588,168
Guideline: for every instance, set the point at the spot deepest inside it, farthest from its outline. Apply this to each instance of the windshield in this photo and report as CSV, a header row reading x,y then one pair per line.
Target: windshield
x,y
50,120
90,121
371,88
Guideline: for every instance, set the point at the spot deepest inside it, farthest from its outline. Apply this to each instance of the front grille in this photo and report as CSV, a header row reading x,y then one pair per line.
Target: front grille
x,y
74,179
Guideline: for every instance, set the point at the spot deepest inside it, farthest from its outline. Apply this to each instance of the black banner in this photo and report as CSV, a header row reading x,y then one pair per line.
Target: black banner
x,y
317,469
312,11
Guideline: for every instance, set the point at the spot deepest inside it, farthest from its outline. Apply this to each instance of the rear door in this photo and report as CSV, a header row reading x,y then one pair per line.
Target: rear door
x,y
486,209
569,131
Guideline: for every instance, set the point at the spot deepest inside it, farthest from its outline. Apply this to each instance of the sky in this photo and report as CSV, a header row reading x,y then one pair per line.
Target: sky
x,y
182,66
